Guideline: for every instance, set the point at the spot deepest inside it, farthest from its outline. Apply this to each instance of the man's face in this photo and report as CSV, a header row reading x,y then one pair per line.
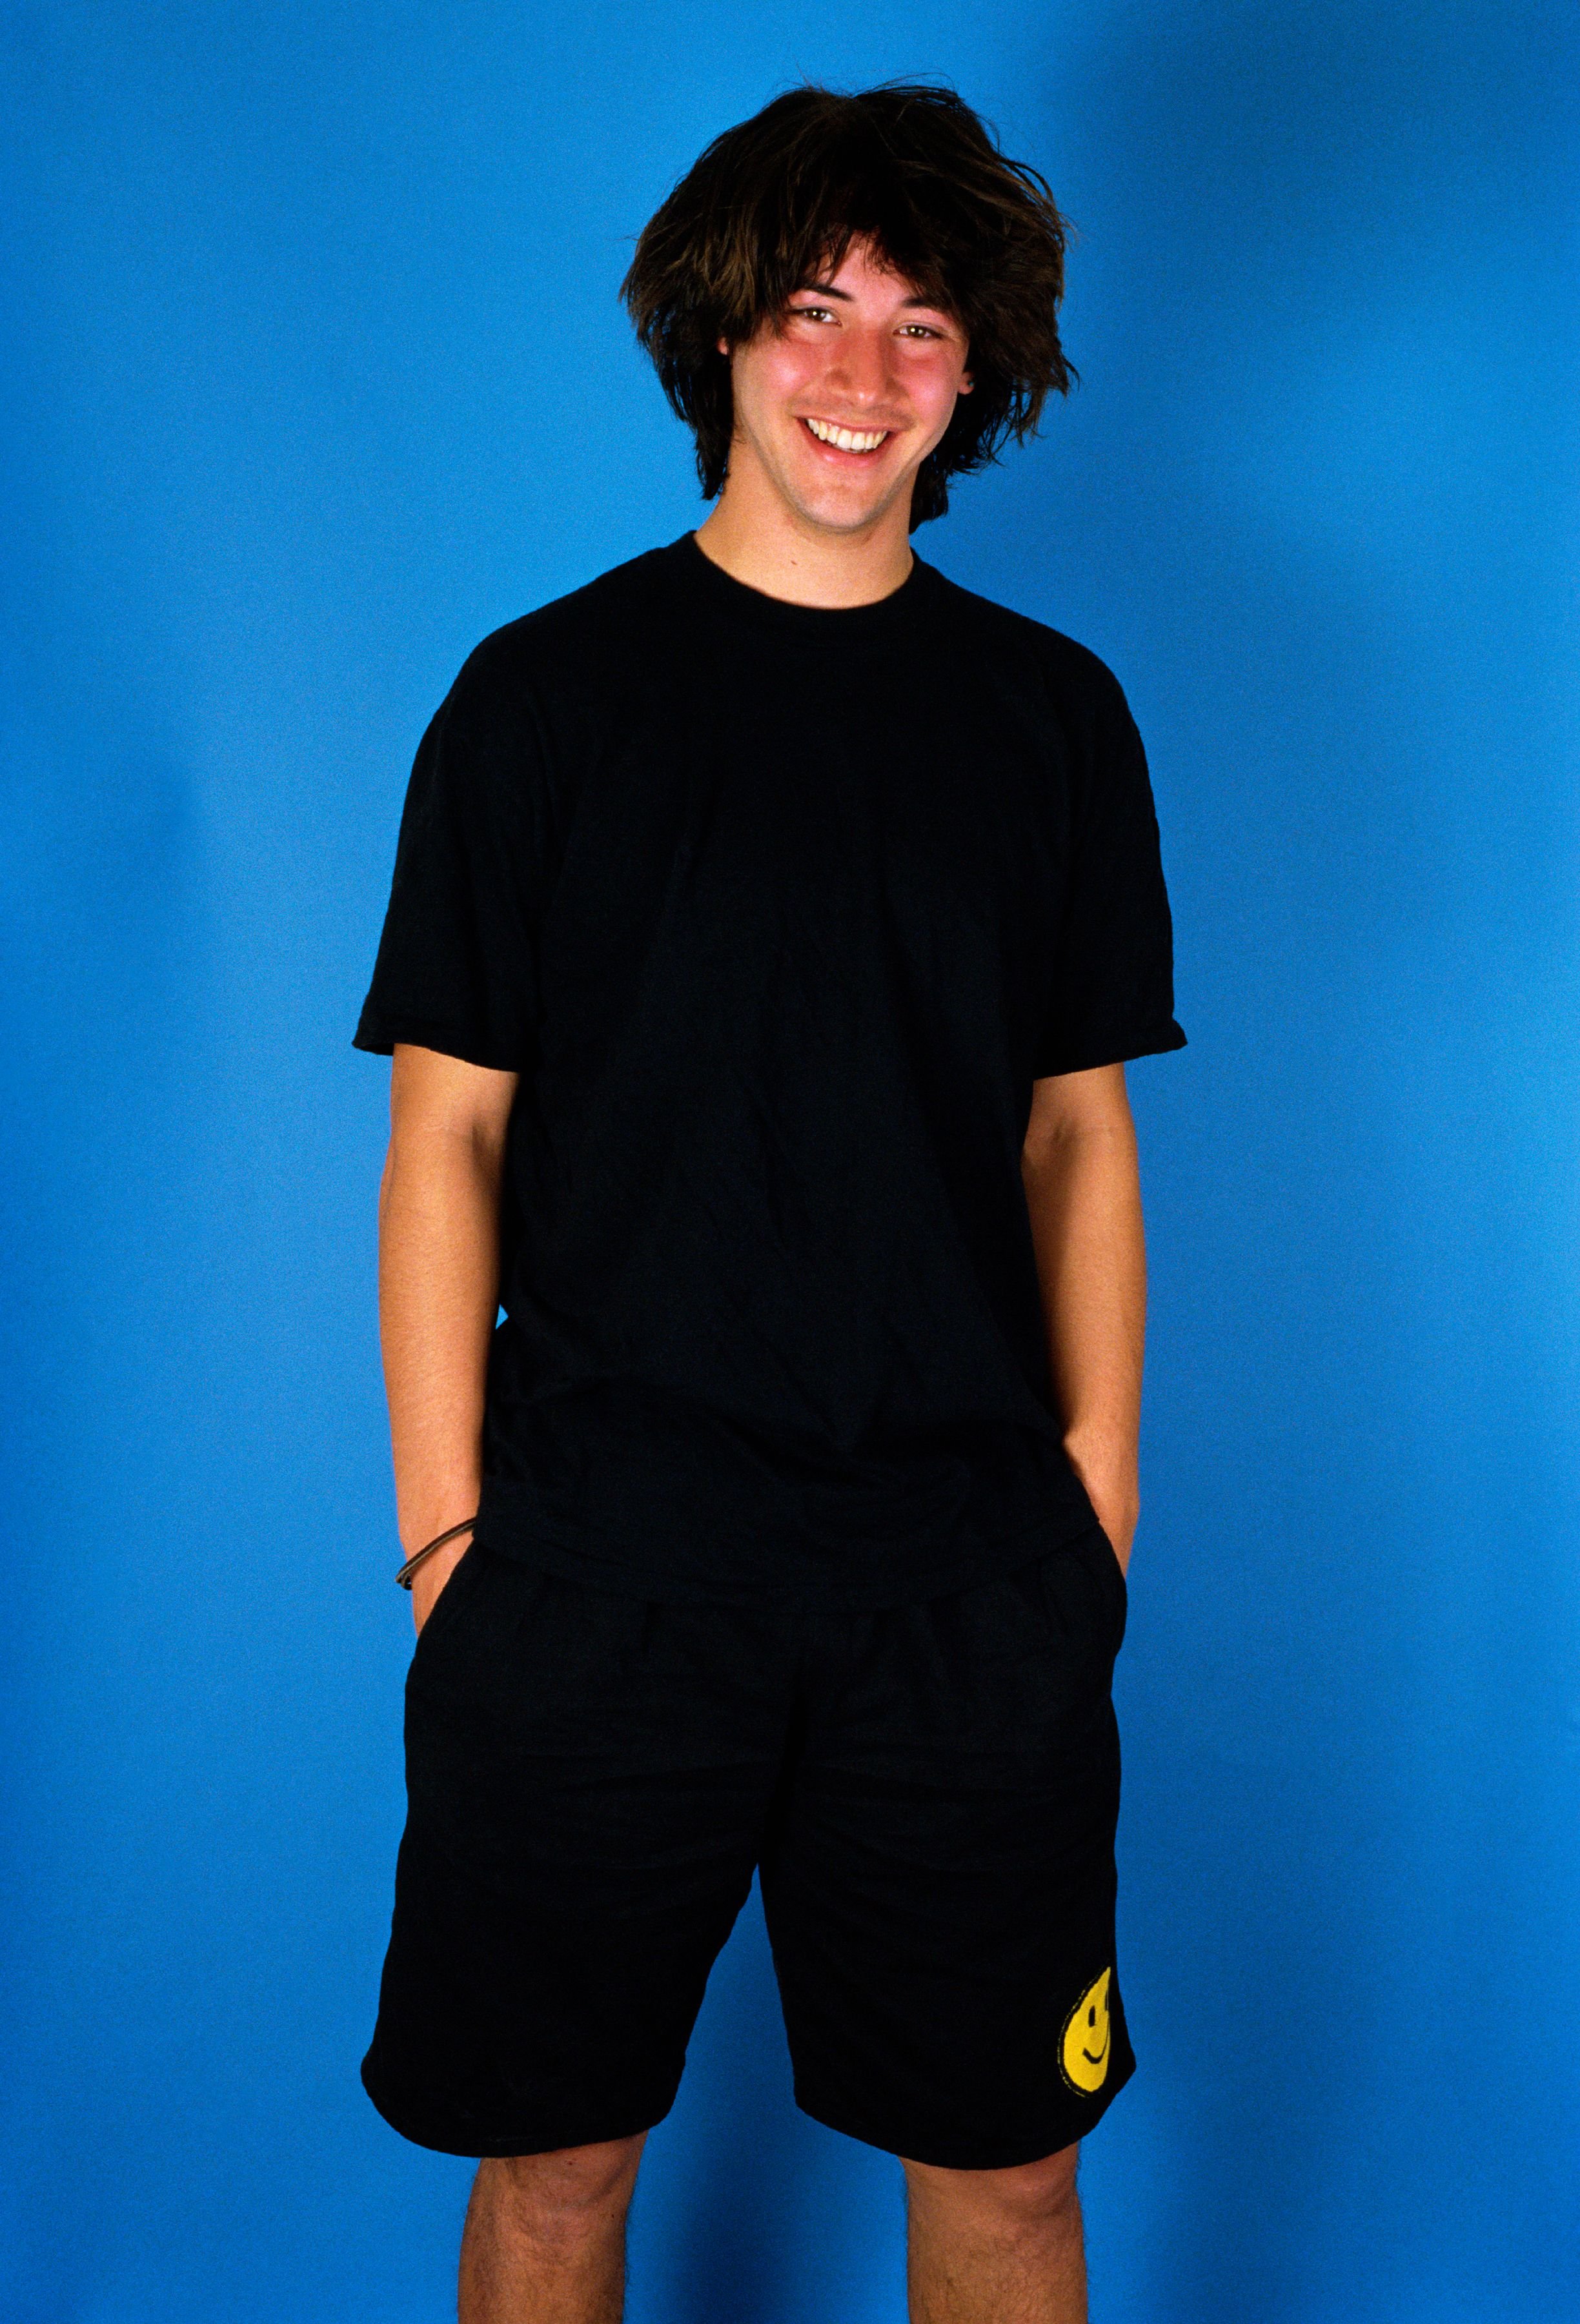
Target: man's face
x,y
858,355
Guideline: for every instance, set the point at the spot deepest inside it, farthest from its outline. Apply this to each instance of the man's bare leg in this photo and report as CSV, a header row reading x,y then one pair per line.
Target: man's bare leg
x,y
544,2236
995,2246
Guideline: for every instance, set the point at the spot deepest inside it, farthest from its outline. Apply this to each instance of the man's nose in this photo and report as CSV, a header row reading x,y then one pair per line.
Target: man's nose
x,y
862,368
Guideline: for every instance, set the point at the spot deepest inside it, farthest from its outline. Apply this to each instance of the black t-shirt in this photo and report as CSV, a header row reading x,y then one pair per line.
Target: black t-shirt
x,y
778,910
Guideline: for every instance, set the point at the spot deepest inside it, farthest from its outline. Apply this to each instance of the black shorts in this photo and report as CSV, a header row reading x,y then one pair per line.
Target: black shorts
x,y
929,1794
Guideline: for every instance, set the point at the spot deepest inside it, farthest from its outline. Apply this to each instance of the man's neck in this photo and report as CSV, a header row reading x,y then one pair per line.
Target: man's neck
x,y
756,538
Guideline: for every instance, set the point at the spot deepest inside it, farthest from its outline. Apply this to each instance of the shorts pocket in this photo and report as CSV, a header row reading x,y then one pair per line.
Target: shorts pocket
x,y
1084,1594
447,1604
1105,1558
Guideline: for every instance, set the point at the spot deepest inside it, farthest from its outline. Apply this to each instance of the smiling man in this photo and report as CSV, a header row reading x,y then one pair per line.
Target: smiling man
x,y
772,920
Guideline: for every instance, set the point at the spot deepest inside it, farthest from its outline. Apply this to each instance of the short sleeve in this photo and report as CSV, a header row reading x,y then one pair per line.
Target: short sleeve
x,y
1113,987
455,966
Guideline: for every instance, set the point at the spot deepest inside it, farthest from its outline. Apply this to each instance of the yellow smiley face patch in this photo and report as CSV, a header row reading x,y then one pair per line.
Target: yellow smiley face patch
x,y
1086,2047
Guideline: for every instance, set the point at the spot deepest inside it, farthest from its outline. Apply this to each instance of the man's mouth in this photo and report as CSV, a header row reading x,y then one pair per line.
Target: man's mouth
x,y
847,439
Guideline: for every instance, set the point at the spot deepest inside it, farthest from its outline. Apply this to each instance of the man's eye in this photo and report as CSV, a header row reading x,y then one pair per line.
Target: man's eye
x,y
812,313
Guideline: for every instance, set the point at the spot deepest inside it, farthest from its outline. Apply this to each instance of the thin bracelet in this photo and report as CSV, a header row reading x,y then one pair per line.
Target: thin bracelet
x,y
427,1549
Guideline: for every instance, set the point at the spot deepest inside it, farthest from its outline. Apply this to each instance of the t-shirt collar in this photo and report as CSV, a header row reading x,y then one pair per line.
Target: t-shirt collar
x,y
743,602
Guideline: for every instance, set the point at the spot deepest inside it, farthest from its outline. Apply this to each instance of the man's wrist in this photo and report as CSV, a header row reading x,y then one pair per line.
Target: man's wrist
x,y
456,1537
419,1517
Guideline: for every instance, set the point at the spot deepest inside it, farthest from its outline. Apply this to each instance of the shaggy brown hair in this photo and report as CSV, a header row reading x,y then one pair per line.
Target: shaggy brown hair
x,y
775,201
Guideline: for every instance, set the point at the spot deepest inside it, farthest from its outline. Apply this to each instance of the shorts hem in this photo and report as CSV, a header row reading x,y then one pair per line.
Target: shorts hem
x,y
448,2134
946,2154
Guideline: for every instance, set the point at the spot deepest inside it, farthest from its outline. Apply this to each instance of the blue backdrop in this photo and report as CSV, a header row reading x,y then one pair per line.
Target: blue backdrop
x,y
319,375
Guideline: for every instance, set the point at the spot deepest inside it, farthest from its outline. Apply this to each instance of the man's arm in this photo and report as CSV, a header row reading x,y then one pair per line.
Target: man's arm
x,y
438,1291
1083,1193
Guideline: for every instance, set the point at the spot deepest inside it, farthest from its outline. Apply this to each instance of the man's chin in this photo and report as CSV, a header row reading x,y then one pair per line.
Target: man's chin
x,y
850,514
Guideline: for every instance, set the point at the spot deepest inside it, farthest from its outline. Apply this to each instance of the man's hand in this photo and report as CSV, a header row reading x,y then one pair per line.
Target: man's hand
x,y
431,1576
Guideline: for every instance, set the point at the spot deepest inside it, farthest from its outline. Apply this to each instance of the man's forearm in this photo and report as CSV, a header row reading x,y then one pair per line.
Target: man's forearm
x,y
438,1296
1083,1197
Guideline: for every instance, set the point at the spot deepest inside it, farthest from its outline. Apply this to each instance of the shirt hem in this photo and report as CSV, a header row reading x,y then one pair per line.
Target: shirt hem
x,y
510,1533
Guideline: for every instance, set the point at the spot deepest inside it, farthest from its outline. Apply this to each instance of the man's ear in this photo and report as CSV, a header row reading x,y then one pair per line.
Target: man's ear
x,y
967,383
723,347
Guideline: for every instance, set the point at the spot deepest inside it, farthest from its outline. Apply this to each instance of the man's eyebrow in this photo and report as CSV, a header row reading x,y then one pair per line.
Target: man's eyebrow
x,y
828,290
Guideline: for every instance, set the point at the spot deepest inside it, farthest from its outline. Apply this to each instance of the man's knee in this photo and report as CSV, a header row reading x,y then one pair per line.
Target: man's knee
x,y
568,2193
1025,2196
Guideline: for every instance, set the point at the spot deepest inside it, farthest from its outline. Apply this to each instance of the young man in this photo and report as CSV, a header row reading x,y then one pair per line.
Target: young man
x,y
771,921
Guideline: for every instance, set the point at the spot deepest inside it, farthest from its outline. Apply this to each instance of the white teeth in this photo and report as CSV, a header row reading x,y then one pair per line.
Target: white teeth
x,y
848,439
